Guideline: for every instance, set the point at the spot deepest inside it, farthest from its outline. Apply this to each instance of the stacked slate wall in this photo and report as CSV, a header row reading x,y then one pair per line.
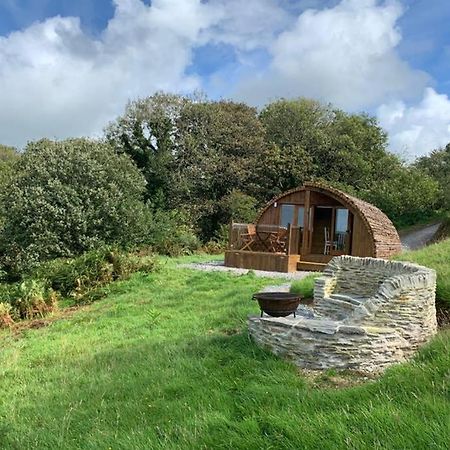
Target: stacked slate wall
x,y
368,314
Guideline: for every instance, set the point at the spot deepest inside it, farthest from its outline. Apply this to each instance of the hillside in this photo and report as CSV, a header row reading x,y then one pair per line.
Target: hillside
x,y
165,362
436,256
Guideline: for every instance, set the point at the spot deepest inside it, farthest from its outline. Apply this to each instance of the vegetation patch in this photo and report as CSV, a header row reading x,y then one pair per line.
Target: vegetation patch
x,y
437,257
82,279
305,287
336,379
444,230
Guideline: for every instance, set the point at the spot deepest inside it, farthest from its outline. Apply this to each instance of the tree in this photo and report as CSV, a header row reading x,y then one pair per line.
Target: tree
x,y
437,166
68,197
357,151
238,207
297,123
348,151
296,132
219,147
146,132
405,194
8,157
316,141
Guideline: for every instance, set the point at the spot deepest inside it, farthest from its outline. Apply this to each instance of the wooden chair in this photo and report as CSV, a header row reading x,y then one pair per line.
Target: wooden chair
x,y
278,240
328,244
249,238
340,241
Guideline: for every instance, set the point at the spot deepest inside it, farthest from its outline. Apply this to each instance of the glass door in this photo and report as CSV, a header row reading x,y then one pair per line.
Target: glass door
x,y
341,231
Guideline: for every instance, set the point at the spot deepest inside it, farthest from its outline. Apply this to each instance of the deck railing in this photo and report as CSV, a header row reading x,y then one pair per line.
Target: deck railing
x,y
262,238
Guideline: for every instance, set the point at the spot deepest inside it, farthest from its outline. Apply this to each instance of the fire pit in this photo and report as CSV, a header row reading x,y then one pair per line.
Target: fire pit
x,y
277,304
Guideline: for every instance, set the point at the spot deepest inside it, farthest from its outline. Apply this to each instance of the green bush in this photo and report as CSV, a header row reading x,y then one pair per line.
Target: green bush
x,y
405,194
5,315
214,247
83,279
69,197
444,229
28,299
169,233
78,277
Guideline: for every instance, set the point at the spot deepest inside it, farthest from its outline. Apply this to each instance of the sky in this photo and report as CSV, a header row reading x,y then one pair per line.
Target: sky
x,y
68,68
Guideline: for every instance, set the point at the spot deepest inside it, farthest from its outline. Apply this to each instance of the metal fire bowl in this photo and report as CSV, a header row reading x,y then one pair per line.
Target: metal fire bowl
x,y
277,304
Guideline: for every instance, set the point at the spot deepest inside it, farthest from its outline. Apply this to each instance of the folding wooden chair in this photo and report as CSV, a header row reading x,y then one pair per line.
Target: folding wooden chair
x,y
249,238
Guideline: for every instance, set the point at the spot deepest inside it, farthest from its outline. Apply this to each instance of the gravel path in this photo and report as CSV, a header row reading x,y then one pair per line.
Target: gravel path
x,y
218,266
419,237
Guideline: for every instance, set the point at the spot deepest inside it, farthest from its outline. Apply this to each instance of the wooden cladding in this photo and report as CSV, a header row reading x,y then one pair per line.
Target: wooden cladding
x,y
319,222
371,231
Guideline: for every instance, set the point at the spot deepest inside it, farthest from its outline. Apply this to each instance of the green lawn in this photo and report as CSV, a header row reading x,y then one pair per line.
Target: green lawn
x,y
436,256
165,362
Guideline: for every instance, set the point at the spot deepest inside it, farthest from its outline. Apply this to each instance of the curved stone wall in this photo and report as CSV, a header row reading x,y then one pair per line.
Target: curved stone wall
x,y
368,314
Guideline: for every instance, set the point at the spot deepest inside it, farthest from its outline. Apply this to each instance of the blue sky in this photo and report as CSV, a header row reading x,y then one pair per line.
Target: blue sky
x,y
68,67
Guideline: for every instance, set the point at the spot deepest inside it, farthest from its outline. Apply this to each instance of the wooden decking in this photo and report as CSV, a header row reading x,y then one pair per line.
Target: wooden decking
x,y
275,262
311,266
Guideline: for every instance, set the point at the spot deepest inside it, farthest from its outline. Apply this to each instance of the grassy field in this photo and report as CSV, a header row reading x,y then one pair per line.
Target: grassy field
x,y
165,362
436,256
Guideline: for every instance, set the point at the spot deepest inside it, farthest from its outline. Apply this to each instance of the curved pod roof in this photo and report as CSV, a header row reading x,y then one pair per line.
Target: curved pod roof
x,y
385,239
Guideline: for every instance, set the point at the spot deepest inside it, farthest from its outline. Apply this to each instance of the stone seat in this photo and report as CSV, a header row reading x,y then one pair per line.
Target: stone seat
x,y
368,314
352,299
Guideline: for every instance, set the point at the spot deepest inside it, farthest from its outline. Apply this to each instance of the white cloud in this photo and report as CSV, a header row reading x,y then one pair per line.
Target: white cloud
x,y
416,130
250,24
344,55
56,81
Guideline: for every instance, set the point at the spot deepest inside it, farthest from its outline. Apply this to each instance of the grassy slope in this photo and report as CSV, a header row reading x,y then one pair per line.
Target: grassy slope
x,y
436,256
165,362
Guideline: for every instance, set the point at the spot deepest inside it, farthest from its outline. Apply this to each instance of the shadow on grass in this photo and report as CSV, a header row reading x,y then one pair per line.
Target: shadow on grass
x,y
209,390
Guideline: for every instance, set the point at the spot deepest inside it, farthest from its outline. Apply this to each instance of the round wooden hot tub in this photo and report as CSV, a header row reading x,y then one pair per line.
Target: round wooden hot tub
x,y
277,304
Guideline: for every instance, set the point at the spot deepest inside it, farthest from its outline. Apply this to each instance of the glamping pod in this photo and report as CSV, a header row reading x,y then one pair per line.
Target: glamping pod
x,y
304,228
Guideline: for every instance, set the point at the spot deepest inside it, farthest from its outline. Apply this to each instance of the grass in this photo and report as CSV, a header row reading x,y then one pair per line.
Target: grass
x,y
164,362
304,287
435,256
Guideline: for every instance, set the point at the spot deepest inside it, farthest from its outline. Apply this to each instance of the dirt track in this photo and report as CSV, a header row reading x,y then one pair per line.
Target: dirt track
x,y
418,237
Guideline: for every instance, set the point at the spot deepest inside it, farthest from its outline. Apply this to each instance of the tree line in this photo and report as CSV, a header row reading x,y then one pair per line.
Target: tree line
x,y
172,171
218,161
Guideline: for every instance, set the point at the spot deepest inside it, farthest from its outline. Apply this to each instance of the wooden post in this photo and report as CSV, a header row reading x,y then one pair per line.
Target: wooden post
x,y
230,235
306,220
333,226
289,239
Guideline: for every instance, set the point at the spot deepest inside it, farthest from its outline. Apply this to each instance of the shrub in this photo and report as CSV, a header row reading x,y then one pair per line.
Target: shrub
x,y
67,198
75,276
406,195
83,278
169,233
444,229
8,157
214,247
80,277
5,315
28,299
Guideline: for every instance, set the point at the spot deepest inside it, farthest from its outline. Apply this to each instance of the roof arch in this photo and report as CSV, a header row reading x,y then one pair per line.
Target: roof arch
x,y
385,239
